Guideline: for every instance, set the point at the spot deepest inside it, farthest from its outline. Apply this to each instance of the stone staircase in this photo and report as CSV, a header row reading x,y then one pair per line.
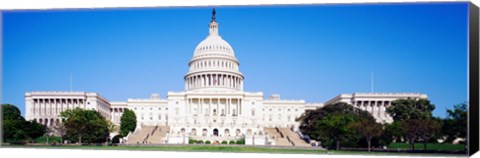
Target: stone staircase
x,y
140,136
157,135
280,139
293,137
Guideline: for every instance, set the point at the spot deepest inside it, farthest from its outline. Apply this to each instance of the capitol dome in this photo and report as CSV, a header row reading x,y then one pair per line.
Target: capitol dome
x,y
214,45
213,65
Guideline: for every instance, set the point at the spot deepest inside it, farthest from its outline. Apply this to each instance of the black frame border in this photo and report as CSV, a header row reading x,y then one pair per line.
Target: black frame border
x,y
473,110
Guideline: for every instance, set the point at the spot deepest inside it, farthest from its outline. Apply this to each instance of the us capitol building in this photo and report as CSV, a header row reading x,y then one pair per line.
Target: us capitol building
x,y
214,105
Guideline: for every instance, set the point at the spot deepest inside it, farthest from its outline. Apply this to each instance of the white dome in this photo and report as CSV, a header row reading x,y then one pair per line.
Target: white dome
x,y
214,45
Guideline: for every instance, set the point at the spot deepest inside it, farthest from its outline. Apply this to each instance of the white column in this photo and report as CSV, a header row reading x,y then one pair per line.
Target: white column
x,y
240,103
44,107
224,81
49,107
231,82
372,106
189,107
45,102
228,110
55,109
33,106
237,106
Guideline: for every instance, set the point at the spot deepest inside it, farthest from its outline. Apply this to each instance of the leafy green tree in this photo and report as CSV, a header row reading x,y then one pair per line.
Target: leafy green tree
x,y
333,124
128,122
411,114
455,125
368,129
393,131
16,128
85,126
406,109
13,123
429,129
34,130
337,128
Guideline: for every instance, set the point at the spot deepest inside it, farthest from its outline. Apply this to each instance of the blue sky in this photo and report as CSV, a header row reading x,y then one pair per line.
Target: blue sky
x,y
300,52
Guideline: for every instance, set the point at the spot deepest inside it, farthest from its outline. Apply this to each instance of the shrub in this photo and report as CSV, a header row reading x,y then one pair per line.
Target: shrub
x,y
208,142
191,141
224,142
231,142
240,141
199,141
116,139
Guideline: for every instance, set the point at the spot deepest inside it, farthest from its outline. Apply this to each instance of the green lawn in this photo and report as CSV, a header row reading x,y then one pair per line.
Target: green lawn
x,y
234,149
195,148
430,146
43,139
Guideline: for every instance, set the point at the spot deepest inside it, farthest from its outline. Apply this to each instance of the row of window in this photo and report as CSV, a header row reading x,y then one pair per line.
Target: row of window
x,y
214,47
214,63
151,117
280,109
151,108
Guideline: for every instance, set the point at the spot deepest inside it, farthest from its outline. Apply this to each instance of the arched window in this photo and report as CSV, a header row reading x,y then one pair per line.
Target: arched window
x,y
253,112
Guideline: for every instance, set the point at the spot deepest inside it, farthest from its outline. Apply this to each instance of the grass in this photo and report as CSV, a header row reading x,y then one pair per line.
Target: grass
x,y
43,139
430,146
230,149
191,148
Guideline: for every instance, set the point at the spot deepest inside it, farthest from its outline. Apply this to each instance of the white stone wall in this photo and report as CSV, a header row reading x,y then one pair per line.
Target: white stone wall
x,y
117,109
149,112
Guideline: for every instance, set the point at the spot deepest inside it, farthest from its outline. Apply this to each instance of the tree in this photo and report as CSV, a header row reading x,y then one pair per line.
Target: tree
x,y
16,128
406,109
13,123
128,122
34,130
332,124
455,125
87,126
429,129
411,114
61,130
337,128
368,129
394,130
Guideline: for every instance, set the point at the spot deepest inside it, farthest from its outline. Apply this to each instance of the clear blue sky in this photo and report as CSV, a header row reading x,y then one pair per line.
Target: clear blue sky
x,y
300,52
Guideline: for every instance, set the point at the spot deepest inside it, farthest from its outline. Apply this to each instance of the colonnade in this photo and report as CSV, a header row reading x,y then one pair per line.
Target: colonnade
x,y
53,106
214,80
214,106
376,108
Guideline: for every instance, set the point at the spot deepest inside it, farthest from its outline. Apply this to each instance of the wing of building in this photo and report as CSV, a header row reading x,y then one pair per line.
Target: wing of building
x,y
214,105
